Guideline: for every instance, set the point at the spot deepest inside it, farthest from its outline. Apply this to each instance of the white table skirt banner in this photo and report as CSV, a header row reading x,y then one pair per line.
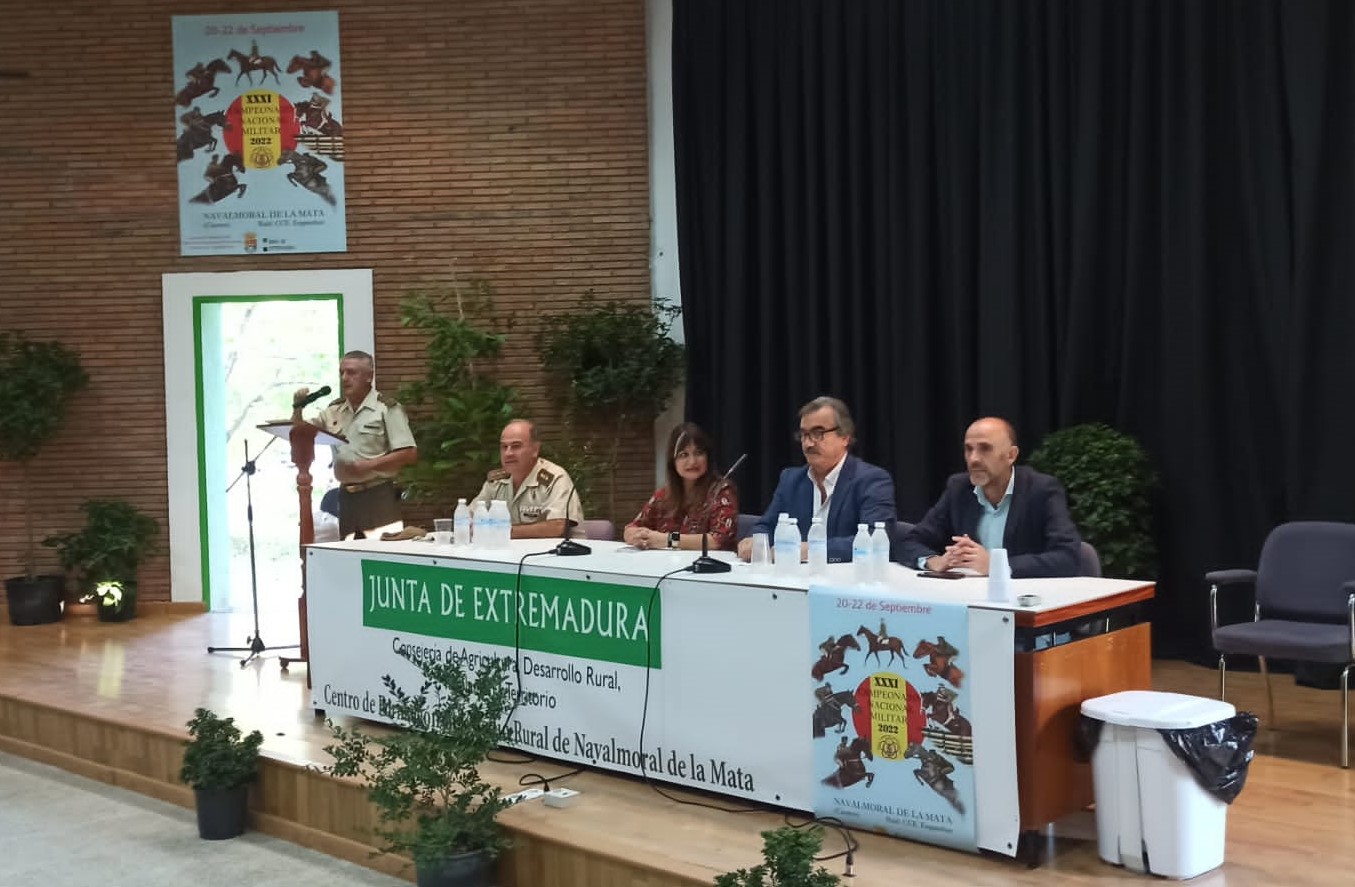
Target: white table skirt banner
x,y
892,748
602,656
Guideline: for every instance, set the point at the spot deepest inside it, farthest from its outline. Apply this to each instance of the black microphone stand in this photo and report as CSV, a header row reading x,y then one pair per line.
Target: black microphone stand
x,y
568,547
255,642
705,563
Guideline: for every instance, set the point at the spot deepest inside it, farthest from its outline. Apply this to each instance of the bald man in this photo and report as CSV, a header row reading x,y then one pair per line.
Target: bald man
x,y
996,504
539,493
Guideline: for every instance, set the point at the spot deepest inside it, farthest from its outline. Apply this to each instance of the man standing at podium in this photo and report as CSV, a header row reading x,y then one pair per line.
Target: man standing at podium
x,y
379,445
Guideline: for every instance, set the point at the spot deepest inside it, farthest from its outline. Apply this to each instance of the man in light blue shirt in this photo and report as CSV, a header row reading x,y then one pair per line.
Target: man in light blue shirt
x,y
996,504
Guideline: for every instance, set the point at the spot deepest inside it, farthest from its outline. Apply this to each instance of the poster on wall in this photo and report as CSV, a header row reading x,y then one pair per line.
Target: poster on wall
x,y
893,748
259,137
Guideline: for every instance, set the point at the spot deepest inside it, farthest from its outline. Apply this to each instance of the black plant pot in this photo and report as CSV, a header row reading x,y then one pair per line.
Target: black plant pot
x,y
462,870
221,812
112,609
34,600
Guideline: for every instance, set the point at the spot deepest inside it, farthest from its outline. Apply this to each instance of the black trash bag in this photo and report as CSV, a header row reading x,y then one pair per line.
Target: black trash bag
x,y
1088,734
1218,754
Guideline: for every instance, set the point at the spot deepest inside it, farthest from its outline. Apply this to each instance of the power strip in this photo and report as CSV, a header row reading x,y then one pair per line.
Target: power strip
x,y
530,794
561,797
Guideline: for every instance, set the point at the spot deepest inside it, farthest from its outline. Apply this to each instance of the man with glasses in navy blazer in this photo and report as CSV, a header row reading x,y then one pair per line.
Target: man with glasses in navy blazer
x,y
996,504
834,485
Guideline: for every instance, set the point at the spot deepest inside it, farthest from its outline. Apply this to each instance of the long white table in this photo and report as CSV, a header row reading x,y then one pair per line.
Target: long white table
x,y
712,669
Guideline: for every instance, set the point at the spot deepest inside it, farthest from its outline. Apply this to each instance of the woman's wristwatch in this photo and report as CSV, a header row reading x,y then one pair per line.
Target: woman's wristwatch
x,y
674,539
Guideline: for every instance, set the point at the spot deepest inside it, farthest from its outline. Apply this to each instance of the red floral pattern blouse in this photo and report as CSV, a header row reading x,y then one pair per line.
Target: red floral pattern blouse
x,y
719,518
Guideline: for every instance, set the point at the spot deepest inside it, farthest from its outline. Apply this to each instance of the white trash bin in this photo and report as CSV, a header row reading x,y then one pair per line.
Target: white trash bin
x,y
1151,814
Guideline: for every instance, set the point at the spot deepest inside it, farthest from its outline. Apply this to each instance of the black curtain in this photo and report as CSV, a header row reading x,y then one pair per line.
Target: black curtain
x,y
1131,212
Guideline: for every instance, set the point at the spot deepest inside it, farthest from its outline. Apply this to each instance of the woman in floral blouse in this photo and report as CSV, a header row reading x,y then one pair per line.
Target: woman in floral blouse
x,y
694,500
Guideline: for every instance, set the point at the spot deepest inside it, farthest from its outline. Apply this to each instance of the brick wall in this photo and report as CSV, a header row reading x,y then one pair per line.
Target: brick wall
x,y
508,139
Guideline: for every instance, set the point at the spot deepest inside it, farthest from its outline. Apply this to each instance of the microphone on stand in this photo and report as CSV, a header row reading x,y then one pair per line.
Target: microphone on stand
x,y
312,398
568,547
705,563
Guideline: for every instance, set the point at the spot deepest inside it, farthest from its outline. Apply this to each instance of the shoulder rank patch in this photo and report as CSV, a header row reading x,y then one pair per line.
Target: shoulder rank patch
x,y
388,401
497,474
336,401
544,477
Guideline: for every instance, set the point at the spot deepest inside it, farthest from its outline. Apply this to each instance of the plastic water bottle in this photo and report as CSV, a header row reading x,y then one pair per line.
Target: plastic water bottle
x,y
481,529
862,566
818,547
786,544
778,532
879,545
775,541
503,523
461,524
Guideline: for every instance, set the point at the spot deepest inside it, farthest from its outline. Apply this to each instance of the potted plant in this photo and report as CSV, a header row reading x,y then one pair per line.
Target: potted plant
x,y
1110,482
424,779
37,382
106,553
788,861
618,368
219,763
457,408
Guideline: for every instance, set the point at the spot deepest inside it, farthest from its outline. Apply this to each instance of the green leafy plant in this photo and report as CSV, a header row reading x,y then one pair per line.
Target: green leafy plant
x,y
218,756
1110,482
456,411
116,539
619,369
425,779
579,456
788,861
37,382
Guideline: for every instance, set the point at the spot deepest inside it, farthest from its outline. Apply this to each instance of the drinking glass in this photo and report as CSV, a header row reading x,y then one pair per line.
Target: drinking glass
x,y
761,556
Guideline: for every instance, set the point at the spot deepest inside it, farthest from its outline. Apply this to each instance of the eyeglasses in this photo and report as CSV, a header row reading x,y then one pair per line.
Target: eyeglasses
x,y
815,435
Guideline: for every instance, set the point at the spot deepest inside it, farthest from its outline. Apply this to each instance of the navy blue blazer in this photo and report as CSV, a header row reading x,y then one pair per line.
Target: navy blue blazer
x,y
1040,537
864,494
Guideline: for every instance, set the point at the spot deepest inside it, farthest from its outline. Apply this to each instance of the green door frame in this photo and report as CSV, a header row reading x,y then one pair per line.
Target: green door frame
x,y
199,302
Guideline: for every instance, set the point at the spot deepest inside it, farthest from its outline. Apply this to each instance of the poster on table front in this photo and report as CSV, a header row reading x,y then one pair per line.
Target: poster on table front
x,y
258,133
893,748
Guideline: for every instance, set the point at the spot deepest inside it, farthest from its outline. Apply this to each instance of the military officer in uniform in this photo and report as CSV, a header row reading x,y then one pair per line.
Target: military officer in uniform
x,y
539,493
379,445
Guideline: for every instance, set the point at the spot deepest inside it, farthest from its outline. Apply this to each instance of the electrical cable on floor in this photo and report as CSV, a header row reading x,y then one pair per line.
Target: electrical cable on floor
x,y
527,757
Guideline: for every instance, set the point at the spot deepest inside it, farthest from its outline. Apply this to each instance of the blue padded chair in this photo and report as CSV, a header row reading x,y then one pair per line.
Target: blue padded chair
x,y
604,530
1088,561
1305,607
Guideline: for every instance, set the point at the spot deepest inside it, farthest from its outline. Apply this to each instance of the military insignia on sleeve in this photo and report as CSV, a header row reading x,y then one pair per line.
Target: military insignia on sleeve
x,y
390,402
336,401
497,474
544,477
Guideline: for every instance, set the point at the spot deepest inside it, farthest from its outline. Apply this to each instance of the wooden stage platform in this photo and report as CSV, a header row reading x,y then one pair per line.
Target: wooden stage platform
x,y
110,701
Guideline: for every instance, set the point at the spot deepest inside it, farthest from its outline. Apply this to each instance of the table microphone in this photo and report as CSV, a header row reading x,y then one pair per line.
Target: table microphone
x,y
568,547
705,563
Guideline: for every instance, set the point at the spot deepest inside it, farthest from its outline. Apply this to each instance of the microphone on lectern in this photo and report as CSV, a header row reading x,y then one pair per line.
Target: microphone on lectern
x,y
705,563
568,547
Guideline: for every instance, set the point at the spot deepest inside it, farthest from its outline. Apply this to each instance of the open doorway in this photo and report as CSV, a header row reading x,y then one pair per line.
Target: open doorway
x,y
197,326
253,352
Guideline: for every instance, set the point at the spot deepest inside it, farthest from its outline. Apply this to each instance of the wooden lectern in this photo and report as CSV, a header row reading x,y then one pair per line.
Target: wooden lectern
x,y
303,437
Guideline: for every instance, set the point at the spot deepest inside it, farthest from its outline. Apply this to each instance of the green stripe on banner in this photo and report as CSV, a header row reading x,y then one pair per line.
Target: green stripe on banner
x,y
589,620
